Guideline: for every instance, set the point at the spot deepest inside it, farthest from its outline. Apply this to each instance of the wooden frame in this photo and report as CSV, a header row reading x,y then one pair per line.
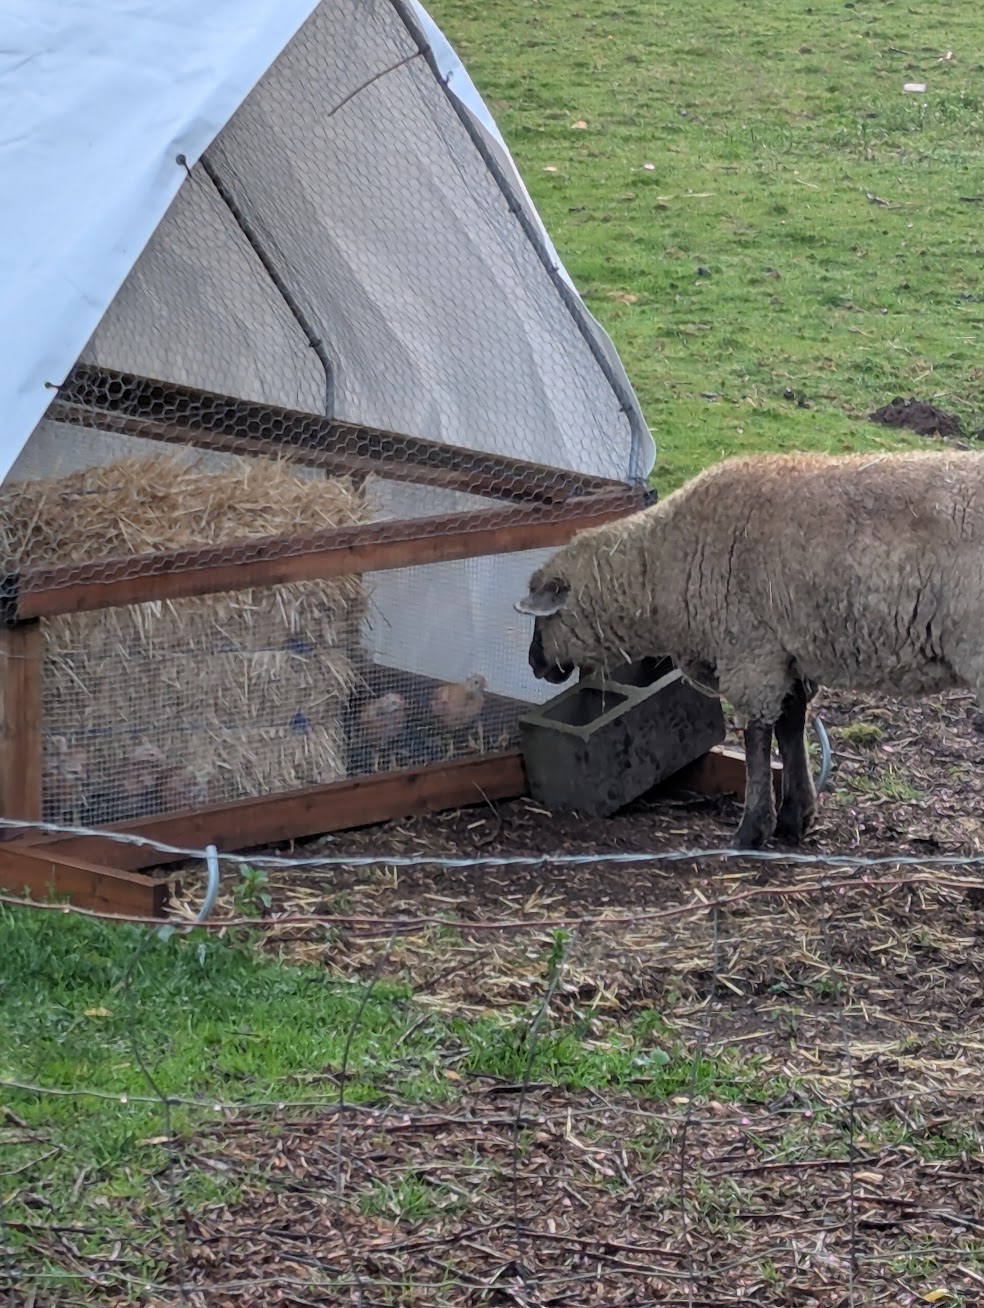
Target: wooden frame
x,y
274,560
39,872
294,815
529,506
536,506
106,875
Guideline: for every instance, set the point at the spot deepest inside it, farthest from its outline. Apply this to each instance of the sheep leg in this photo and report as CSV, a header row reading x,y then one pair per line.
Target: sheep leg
x,y
758,821
799,796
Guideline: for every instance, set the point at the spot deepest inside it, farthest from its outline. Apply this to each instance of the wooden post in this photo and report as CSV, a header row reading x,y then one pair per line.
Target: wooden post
x,y
20,721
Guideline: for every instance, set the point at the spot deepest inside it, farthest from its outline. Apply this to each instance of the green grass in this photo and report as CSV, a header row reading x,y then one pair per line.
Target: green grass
x,y
890,783
411,1199
765,126
122,1018
85,1002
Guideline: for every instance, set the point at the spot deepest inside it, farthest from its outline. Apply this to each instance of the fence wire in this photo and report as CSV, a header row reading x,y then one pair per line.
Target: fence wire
x,y
755,1092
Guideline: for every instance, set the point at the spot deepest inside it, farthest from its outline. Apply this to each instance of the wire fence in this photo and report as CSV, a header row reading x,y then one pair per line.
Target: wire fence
x,y
764,1088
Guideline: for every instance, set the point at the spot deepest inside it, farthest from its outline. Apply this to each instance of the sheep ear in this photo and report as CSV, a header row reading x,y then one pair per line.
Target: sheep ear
x,y
543,600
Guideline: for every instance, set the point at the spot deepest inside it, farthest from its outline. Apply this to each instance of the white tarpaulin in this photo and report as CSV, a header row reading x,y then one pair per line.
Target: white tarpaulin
x,y
151,150
97,99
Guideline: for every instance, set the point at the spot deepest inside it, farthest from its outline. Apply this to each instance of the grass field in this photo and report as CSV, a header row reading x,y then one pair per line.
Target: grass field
x,y
128,1019
659,139
750,203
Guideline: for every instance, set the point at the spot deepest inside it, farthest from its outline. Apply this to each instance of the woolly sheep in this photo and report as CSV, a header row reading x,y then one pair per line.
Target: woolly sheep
x,y
767,576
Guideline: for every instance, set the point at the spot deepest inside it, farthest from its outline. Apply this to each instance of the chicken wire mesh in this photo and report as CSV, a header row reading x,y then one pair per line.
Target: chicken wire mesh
x,y
267,692
345,223
170,705
344,281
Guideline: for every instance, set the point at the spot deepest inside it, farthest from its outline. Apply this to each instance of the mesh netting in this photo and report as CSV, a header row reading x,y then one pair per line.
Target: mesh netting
x,y
401,257
341,282
173,704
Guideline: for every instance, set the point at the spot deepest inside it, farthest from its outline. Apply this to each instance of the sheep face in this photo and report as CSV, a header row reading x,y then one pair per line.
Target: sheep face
x,y
555,650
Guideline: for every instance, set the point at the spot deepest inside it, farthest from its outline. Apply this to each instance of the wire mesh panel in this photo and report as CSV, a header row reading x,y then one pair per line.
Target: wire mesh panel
x,y
344,282
264,693
344,220
343,249
178,703
443,490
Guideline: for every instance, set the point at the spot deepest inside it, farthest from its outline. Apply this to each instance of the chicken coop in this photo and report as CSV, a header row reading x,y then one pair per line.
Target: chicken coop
x,y
190,646
273,482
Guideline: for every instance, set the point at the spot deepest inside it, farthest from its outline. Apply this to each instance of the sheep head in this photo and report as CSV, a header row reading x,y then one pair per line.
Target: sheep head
x,y
593,602
555,649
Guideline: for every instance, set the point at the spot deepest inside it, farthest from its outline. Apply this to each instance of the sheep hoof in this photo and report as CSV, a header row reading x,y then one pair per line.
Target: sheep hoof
x,y
793,823
753,832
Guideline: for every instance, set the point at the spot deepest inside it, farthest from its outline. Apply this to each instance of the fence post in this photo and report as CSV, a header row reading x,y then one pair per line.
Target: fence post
x,y
20,721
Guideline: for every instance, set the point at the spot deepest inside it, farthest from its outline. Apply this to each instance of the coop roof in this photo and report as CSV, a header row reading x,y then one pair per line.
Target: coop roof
x,y
352,140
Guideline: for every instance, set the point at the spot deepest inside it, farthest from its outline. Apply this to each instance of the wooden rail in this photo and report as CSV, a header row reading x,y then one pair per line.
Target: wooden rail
x,y
269,819
107,400
720,772
42,872
66,865
274,560
497,484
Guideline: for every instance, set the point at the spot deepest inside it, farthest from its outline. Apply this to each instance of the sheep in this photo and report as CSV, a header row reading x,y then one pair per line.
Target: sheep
x,y
767,576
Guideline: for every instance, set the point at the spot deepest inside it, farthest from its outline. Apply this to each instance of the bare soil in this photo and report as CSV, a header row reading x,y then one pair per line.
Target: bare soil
x,y
919,416
835,1156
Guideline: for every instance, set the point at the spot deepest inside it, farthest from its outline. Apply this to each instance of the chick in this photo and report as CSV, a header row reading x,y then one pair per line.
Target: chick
x,y
182,789
141,777
66,771
382,722
457,706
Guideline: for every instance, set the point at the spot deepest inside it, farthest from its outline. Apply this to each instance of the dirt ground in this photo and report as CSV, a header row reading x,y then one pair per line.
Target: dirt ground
x,y
915,791
919,416
834,1157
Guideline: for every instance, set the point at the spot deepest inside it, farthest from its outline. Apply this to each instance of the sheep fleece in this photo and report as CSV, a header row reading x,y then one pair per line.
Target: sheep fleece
x,y
861,572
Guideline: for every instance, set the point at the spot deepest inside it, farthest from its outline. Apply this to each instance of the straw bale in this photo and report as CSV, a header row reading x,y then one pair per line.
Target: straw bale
x,y
249,689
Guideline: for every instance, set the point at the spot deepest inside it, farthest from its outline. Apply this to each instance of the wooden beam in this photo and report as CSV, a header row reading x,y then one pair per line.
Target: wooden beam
x,y
40,872
20,721
338,551
165,411
721,771
271,819
488,476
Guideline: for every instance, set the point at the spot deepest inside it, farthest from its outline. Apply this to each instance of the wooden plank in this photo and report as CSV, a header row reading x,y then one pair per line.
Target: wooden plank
x,y
20,721
274,560
487,477
721,771
200,412
40,872
341,805
271,819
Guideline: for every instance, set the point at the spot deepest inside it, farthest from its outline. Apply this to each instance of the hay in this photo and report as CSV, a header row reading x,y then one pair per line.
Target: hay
x,y
248,690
